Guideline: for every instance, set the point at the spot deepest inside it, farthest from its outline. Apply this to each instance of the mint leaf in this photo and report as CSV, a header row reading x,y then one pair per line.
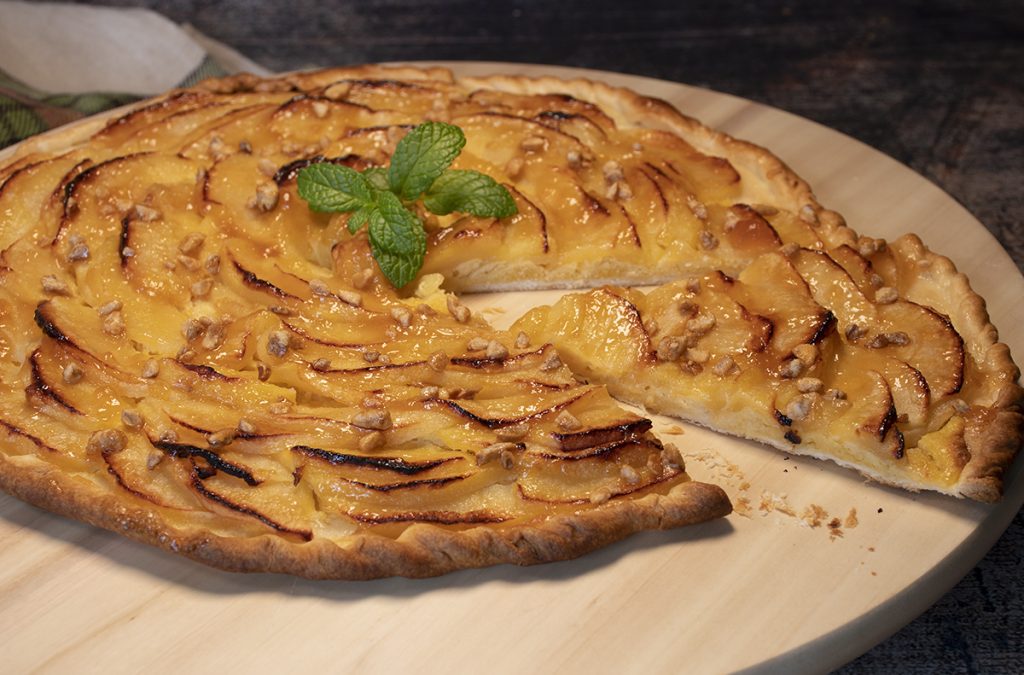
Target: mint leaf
x,y
422,156
397,240
469,192
334,187
377,177
359,217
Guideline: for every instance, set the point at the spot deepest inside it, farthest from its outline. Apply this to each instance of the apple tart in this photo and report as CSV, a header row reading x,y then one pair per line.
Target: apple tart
x,y
193,357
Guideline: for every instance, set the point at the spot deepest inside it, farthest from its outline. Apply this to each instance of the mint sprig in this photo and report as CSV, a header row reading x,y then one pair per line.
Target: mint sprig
x,y
381,199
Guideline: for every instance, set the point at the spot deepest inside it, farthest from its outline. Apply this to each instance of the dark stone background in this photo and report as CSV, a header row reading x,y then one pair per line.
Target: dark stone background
x,y
936,85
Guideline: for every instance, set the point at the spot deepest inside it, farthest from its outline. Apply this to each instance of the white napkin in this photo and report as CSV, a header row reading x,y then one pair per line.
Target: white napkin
x,y
71,49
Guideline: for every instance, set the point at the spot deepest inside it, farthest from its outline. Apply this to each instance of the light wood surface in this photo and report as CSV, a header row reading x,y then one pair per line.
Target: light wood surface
x,y
763,590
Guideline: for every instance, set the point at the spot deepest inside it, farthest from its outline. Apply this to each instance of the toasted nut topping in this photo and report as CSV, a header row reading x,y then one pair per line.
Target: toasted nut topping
x,y
131,419
693,285
145,213
150,369
960,406
629,474
512,433
836,394
507,460
202,288
724,366
362,278
708,241
514,167
808,385
262,372
619,190
265,198
372,441
402,316
321,365
54,286
876,280
154,459
534,144
280,310
670,348
73,373
791,369
280,407
808,214
217,147
214,336
168,436
574,158
192,243
672,457
522,340
799,408
107,441
566,421
192,328
375,418
612,171
246,427
691,367
496,350
319,287
220,438
651,326
371,356
429,392
184,355
807,353
701,324
600,496
477,344
277,343
551,362
698,208
350,298
493,452
78,252
113,324
688,308
320,109
886,295
899,338
854,332
190,264
458,310
697,355
438,361
108,308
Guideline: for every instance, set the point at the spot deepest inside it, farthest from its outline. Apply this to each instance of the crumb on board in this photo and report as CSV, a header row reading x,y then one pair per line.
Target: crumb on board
x,y
675,430
835,528
814,515
741,507
851,519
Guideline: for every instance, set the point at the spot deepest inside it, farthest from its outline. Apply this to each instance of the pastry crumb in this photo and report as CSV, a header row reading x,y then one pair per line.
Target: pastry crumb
x,y
851,519
814,515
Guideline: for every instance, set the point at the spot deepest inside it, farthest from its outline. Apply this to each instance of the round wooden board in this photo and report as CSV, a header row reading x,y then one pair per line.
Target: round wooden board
x,y
762,589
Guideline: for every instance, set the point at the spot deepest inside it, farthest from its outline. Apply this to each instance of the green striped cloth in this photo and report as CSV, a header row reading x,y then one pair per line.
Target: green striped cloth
x,y
26,111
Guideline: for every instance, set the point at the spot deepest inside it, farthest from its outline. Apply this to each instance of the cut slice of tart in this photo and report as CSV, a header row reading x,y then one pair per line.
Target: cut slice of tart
x,y
812,352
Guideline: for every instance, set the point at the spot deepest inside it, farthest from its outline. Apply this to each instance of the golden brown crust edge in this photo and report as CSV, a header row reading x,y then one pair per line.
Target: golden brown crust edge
x,y
423,550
